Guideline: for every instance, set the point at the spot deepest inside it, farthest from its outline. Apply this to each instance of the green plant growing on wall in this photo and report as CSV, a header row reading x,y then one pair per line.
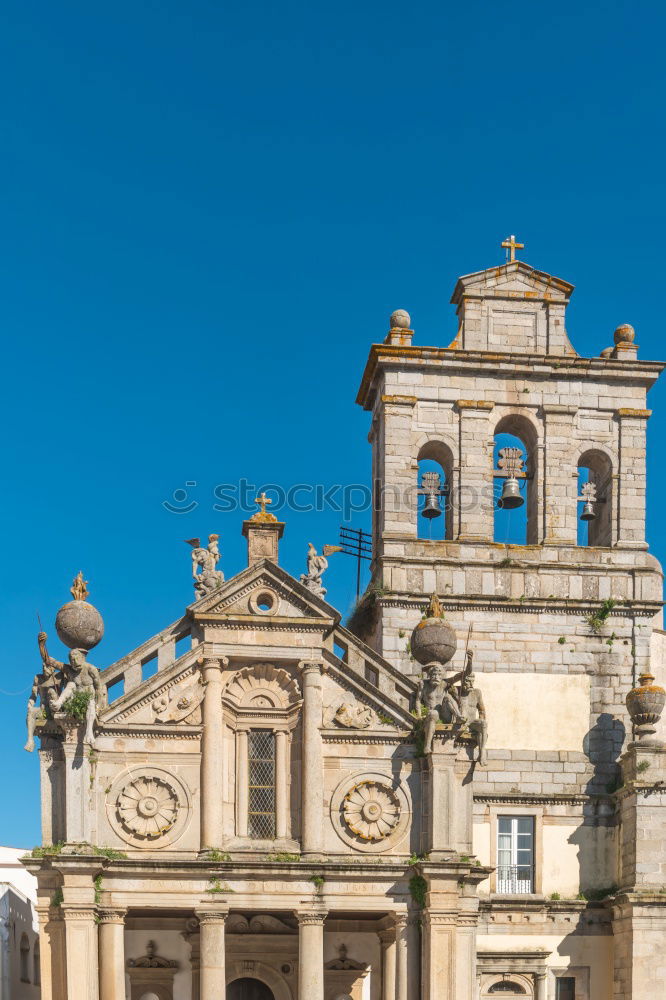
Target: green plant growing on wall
x,y
318,882
642,766
597,619
418,888
57,898
98,889
212,854
283,856
555,896
76,705
561,640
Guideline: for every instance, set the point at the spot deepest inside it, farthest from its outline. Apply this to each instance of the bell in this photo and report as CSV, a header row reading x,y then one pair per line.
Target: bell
x,y
511,497
588,511
431,508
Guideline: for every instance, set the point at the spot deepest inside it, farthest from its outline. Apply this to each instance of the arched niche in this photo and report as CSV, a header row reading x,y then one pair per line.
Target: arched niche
x,y
436,456
507,984
515,432
24,957
595,479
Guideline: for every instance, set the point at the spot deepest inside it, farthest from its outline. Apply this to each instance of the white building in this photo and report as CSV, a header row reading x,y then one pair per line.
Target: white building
x,y
19,937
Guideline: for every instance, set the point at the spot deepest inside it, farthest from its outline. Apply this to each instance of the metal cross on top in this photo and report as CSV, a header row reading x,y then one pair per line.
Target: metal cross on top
x,y
262,501
512,245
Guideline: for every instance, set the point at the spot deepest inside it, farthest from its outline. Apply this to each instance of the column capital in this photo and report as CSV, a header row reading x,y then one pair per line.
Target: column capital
x,y
400,918
312,667
111,915
212,664
311,917
386,936
213,916
72,913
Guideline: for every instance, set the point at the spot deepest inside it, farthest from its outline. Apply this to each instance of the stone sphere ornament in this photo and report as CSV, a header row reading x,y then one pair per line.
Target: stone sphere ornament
x,y
400,320
79,625
645,704
433,640
624,334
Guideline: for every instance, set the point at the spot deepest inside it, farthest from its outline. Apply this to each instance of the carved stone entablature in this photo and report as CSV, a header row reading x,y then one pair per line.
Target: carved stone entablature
x,y
148,807
262,686
370,811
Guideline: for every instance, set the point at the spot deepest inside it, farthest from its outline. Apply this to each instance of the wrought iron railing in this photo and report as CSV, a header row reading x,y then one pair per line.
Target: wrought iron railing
x,y
515,878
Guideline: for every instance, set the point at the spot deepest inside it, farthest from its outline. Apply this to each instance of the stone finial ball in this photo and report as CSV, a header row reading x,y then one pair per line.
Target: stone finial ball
x,y
79,625
624,334
400,319
433,640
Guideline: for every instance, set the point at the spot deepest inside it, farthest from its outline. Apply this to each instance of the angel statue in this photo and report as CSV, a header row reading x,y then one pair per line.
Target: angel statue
x,y
210,578
317,566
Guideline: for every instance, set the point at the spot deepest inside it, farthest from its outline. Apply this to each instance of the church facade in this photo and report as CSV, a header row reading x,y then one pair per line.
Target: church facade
x,y
460,794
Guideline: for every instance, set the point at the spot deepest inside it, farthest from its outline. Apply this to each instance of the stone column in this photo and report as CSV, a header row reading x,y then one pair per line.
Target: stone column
x,y
241,783
82,953
78,786
111,954
402,969
212,755
632,477
310,955
312,777
413,956
540,991
559,485
45,968
191,935
212,974
387,940
281,783
473,507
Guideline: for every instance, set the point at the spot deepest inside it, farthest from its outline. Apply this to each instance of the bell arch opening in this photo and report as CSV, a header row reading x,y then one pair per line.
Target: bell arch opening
x,y
515,490
435,496
594,500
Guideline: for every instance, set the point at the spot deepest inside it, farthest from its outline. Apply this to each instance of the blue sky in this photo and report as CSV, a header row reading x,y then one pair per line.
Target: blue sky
x,y
209,212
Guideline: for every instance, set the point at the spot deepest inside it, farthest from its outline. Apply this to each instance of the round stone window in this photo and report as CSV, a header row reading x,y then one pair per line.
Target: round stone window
x,y
263,602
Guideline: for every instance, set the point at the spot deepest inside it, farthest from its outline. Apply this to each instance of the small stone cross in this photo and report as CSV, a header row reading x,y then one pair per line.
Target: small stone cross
x,y
262,501
512,245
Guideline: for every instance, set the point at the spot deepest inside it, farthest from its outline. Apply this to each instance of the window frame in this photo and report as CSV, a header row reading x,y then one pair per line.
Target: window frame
x,y
536,813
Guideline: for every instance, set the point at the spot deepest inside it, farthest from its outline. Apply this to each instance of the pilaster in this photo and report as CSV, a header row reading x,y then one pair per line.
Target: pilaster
x,y
312,780
473,507
212,754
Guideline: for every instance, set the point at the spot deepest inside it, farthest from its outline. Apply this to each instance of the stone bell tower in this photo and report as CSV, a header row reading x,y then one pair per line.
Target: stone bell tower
x,y
560,631
510,369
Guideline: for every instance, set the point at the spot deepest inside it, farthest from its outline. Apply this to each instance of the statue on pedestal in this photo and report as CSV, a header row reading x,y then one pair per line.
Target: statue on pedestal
x,y
210,578
79,625
317,565
445,702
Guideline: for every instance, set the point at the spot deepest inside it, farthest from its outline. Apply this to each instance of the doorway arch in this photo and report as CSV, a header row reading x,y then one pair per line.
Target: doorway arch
x,y
249,989
261,972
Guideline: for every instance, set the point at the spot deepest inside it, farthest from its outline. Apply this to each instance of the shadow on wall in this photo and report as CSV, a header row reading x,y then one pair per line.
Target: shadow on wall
x,y
603,746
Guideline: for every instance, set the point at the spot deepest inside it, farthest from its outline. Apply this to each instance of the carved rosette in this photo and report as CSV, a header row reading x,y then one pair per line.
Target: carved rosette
x,y
147,807
371,810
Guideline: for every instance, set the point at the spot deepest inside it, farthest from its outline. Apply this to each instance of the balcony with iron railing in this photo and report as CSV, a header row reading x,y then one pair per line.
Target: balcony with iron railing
x,y
514,879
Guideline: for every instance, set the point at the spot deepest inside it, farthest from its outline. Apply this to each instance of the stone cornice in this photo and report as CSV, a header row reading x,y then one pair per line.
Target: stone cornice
x,y
449,360
530,605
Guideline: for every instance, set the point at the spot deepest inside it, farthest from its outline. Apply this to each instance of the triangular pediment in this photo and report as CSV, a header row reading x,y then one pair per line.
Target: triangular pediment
x,y
242,596
513,278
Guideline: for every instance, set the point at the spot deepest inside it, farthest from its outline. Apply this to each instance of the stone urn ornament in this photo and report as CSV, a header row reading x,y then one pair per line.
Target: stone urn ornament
x,y
79,625
433,640
645,703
